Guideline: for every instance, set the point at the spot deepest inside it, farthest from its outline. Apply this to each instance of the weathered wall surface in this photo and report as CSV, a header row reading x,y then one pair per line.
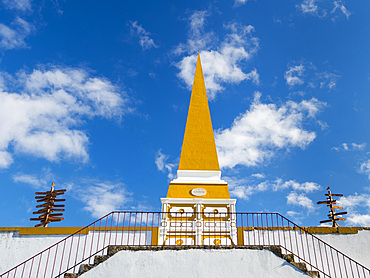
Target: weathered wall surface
x,y
355,246
15,249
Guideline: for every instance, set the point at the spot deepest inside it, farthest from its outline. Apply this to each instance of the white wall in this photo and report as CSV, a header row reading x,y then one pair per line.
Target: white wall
x,y
15,248
195,263
312,250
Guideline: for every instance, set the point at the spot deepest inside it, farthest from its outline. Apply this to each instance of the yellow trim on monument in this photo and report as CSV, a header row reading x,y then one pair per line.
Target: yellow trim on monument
x,y
198,150
71,230
311,230
67,230
43,230
213,191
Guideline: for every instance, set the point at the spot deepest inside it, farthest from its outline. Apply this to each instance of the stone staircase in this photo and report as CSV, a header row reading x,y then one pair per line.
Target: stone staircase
x,y
290,259
114,249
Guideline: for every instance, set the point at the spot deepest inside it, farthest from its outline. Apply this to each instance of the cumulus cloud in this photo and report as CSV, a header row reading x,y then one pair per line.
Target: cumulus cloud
x,y
13,36
161,161
102,197
243,188
359,219
222,61
40,111
353,204
350,147
256,135
144,37
21,5
302,200
306,186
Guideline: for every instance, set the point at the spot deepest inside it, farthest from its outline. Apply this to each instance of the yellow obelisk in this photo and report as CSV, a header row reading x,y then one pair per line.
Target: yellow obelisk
x,y
198,197
198,165
199,148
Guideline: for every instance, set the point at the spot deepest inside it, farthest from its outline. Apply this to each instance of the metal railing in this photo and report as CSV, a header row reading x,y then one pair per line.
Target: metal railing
x,y
157,229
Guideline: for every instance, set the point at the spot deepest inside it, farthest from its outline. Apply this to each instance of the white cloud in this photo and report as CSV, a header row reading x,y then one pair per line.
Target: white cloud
x,y
294,75
161,160
221,61
13,36
354,203
359,219
243,188
365,168
5,159
30,179
240,2
327,80
22,5
297,217
198,39
357,200
258,175
39,112
256,135
308,6
306,186
320,8
144,37
42,181
350,147
242,192
302,200
338,5
102,197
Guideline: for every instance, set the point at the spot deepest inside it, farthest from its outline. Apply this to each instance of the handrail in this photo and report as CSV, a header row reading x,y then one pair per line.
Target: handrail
x,y
132,228
323,242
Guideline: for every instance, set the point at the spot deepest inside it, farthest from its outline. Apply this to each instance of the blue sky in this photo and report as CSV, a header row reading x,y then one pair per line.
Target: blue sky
x,y
94,97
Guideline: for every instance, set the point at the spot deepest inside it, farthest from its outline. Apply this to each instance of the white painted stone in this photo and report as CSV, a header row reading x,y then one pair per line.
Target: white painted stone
x,y
199,176
198,192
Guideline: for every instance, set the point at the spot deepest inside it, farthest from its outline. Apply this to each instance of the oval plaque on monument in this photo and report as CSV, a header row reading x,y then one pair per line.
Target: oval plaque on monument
x,y
198,192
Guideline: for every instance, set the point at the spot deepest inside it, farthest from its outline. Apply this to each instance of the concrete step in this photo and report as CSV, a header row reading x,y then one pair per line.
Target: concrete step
x,y
290,259
114,249
86,267
301,266
70,275
313,273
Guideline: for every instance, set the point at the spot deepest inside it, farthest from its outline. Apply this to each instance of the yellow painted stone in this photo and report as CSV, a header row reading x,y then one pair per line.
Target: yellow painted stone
x,y
199,148
214,191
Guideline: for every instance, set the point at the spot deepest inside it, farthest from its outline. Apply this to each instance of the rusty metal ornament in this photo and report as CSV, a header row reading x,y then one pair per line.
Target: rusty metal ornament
x,y
330,202
48,208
